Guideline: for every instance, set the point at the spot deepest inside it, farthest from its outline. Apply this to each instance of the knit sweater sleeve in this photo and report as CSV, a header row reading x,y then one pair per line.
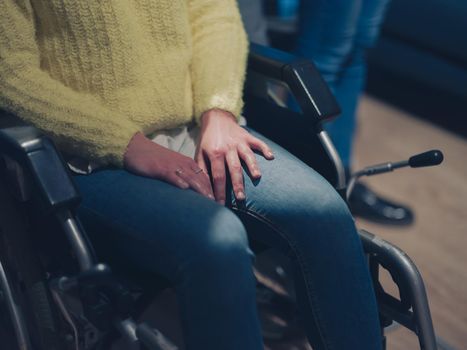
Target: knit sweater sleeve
x,y
219,55
78,121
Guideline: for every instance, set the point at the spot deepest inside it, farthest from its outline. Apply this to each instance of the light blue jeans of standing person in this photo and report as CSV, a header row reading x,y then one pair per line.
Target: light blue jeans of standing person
x,y
336,35
203,249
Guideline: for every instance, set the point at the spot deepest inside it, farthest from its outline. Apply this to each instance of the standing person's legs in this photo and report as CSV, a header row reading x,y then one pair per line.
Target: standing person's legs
x,y
302,216
352,79
198,245
369,23
254,20
326,35
336,35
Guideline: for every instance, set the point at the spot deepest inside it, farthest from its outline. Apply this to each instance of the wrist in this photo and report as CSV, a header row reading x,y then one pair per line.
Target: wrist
x,y
216,113
128,150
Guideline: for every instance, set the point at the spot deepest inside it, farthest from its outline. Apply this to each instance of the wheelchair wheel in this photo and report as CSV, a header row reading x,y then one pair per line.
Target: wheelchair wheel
x,y
26,280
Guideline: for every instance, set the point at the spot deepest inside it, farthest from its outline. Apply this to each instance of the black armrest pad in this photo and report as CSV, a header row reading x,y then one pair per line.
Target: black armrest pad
x,y
37,155
22,139
302,77
270,62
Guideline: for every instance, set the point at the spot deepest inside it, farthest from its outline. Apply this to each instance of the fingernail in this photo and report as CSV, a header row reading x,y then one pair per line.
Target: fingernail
x,y
240,195
256,173
211,196
270,155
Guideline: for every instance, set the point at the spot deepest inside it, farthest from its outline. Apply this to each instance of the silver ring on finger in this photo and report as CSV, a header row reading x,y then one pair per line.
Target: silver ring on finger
x,y
197,170
179,171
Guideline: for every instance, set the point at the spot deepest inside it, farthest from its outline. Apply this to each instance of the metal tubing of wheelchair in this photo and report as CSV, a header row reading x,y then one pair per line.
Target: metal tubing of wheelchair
x,y
76,239
127,329
153,339
15,313
420,305
336,159
400,263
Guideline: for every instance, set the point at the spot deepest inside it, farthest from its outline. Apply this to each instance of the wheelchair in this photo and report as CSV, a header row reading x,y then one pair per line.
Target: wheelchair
x,y
55,295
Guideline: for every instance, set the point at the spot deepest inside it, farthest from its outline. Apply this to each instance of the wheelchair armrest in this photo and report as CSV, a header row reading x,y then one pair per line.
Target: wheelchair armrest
x,y
36,156
305,82
316,102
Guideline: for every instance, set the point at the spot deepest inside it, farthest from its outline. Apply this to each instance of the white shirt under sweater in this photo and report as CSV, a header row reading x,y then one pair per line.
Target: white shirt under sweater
x,y
182,140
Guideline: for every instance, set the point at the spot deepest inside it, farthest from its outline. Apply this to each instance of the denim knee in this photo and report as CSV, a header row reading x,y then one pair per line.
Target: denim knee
x,y
333,210
220,249
335,207
317,213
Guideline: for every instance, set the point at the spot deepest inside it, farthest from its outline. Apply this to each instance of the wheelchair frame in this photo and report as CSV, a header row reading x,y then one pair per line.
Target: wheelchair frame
x,y
30,152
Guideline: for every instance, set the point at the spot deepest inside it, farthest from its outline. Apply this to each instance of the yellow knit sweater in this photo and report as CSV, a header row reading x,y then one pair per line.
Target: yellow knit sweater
x,y
91,73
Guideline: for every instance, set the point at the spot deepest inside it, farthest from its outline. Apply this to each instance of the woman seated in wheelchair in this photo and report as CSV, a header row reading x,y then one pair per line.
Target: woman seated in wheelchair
x,y
146,97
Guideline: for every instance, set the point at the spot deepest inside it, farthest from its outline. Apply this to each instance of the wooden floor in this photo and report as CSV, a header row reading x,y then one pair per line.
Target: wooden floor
x,y
438,240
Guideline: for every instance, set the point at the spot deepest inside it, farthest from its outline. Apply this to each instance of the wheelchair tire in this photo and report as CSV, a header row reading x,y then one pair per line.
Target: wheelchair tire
x,y
27,280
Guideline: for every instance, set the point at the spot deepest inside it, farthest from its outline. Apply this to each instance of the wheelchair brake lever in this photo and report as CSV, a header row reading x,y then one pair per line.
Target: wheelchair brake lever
x,y
425,159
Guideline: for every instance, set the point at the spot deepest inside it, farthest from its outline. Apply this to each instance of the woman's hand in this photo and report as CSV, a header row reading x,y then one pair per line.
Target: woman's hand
x,y
223,142
146,158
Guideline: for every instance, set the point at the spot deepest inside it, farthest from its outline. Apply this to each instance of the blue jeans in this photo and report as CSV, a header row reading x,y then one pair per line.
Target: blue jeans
x,y
336,34
202,248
